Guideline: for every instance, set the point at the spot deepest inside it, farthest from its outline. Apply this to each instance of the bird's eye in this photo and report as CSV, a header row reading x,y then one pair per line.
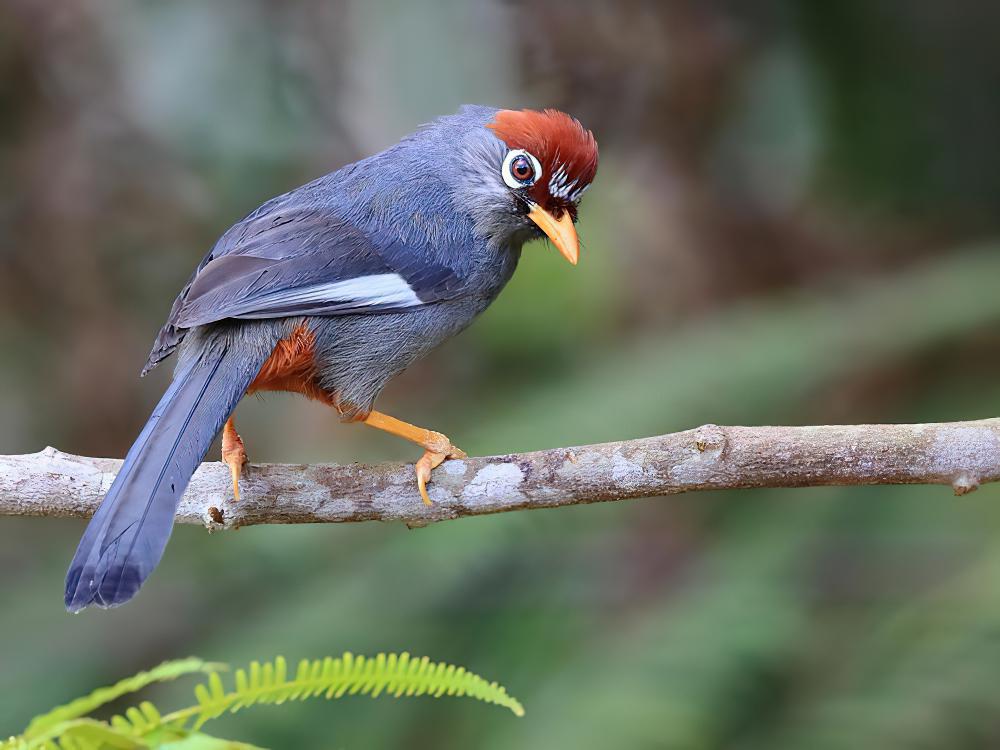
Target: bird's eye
x,y
520,169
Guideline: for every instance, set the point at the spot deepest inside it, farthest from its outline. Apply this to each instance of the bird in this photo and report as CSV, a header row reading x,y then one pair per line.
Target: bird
x,y
329,291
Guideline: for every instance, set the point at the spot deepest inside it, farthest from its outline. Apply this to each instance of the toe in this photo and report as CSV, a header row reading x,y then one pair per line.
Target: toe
x,y
422,486
427,463
235,468
423,475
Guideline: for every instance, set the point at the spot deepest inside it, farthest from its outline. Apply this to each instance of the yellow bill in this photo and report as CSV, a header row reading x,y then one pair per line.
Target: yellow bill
x,y
561,231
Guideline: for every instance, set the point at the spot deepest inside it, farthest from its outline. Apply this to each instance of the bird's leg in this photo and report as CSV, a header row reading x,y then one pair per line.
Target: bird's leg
x,y
437,447
233,454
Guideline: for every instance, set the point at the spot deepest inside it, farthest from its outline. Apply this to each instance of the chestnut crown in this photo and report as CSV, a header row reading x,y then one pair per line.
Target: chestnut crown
x,y
552,157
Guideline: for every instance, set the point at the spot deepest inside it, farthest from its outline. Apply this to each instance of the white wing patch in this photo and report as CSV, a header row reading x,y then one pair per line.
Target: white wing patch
x,y
364,291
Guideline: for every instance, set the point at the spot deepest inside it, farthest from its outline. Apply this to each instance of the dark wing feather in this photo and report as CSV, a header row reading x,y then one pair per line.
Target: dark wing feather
x,y
292,258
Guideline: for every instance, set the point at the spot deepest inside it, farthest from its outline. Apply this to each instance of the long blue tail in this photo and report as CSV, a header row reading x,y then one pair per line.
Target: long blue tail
x,y
127,535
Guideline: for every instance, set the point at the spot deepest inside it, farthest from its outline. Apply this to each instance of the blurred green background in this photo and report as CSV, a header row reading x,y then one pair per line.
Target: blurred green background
x,y
795,221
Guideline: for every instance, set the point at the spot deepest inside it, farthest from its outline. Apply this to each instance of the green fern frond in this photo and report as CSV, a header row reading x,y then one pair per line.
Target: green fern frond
x,y
78,734
143,726
395,674
169,670
139,720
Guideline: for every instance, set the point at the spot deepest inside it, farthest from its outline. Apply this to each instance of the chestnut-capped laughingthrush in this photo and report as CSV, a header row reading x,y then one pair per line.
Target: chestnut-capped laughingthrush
x,y
331,290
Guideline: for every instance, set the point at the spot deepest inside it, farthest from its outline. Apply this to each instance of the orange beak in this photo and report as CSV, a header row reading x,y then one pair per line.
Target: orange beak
x,y
561,231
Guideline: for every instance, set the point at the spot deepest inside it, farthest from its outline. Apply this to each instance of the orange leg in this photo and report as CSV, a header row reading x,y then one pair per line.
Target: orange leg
x,y
233,454
437,447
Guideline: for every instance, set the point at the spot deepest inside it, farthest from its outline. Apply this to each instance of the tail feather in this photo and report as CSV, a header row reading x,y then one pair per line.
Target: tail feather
x,y
126,537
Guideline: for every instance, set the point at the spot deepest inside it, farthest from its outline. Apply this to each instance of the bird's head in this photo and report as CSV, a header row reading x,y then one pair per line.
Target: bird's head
x,y
549,162
517,174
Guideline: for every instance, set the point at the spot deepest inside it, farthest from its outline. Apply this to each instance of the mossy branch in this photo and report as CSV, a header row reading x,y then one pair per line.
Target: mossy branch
x,y
960,454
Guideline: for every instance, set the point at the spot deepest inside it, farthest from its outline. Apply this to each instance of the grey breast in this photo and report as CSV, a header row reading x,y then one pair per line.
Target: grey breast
x,y
356,355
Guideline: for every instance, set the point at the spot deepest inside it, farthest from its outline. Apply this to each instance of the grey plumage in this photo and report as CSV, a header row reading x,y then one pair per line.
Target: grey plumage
x,y
427,209
433,209
430,219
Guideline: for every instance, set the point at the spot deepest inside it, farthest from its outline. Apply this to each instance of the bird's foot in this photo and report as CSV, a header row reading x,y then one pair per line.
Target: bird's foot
x,y
437,447
436,451
234,454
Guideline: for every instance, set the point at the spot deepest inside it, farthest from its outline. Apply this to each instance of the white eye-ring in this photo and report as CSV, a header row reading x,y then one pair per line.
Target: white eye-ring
x,y
520,169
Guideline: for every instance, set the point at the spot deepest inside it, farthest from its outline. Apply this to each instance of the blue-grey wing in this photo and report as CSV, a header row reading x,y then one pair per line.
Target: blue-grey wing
x,y
291,258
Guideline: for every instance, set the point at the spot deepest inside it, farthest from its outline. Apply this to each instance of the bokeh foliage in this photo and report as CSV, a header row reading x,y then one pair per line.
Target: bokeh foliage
x,y
794,222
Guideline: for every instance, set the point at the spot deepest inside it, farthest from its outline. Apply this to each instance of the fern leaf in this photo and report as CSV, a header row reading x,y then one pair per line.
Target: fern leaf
x,y
394,674
78,734
89,734
82,706
142,726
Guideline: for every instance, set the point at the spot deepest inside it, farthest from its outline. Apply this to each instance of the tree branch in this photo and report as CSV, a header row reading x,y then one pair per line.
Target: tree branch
x,y
960,454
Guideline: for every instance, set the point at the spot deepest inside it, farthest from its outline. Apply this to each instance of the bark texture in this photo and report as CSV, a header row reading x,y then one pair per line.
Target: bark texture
x,y
960,454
